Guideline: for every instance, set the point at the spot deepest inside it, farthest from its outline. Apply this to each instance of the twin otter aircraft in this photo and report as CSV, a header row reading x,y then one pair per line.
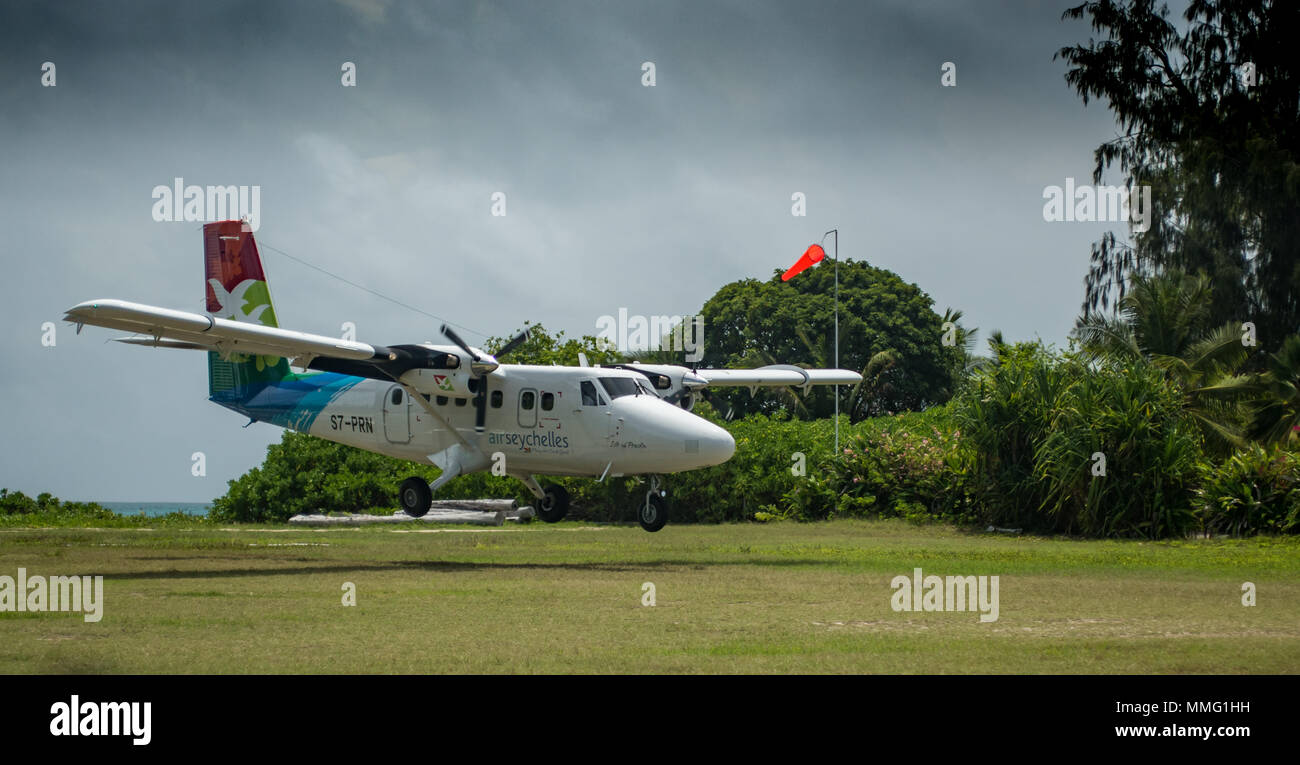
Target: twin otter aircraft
x,y
453,405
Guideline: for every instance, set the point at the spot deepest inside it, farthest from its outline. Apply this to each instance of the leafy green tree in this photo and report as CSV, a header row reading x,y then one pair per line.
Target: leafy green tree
x,y
546,349
888,330
1208,116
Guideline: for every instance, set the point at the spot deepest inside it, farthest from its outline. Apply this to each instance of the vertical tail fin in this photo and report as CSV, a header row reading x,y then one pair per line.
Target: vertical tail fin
x,y
236,289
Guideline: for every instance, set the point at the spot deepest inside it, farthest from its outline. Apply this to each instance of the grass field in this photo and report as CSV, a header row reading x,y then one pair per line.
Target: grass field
x,y
782,597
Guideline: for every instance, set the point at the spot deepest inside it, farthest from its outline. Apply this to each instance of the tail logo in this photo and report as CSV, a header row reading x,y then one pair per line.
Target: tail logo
x,y
247,302
237,305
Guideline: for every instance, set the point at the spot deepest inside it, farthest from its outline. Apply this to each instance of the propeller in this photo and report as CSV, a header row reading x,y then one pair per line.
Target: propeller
x,y
691,383
514,343
482,365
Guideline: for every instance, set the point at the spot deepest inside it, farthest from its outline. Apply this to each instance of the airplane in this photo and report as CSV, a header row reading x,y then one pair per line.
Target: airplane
x,y
455,406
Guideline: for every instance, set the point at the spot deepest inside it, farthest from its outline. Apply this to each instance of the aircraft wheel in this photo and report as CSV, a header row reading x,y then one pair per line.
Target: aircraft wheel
x,y
415,497
654,512
554,505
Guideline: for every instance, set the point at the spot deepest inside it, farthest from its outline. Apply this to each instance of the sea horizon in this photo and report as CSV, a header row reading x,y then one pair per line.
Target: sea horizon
x,y
156,508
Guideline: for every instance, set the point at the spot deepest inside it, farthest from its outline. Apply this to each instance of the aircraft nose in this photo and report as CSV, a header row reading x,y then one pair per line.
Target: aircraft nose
x,y
716,444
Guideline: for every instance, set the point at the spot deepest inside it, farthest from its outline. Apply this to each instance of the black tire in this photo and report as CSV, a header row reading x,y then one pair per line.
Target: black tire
x,y
415,497
555,505
653,513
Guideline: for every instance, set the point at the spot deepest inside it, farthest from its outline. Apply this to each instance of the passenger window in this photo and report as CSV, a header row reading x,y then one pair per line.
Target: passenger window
x,y
460,402
397,396
588,393
527,400
548,401
497,399
442,401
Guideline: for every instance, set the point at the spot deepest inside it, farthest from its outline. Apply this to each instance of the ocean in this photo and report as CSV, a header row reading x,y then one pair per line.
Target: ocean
x,y
157,508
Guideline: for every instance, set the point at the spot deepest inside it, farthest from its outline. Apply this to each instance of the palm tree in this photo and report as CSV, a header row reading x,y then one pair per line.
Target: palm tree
x,y
1162,320
1274,413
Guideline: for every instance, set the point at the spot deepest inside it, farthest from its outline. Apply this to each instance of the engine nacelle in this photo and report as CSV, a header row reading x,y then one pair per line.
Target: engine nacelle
x,y
675,384
452,383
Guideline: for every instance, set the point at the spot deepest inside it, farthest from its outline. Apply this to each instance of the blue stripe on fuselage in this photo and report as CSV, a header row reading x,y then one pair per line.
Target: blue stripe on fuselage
x,y
293,402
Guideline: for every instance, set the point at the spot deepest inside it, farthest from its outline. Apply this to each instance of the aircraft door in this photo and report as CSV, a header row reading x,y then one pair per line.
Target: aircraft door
x,y
528,408
397,415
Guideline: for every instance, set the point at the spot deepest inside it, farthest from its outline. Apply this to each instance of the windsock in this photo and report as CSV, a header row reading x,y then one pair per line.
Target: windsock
x,y
813,254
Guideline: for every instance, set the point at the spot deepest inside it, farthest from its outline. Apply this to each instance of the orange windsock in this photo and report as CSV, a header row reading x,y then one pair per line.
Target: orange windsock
x,y
810,256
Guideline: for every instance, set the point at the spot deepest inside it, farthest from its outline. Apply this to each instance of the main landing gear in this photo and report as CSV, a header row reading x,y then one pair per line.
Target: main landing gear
x,y
552,499
653,513
415,497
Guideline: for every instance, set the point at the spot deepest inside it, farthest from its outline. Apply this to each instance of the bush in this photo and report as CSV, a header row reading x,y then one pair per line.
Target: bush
x,y
1035,421
47,507
1255,490
905,466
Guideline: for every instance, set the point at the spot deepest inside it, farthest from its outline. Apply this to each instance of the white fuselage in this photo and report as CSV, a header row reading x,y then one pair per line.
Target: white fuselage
x,y
536,418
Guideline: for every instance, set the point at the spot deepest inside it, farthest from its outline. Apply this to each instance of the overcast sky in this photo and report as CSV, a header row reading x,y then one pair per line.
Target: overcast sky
x,y
617,195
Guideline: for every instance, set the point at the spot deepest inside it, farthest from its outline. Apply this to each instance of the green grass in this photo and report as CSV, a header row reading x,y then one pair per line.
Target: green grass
x,y
778,597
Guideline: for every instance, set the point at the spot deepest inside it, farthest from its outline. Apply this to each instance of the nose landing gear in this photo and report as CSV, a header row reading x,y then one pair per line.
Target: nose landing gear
x,y
653,513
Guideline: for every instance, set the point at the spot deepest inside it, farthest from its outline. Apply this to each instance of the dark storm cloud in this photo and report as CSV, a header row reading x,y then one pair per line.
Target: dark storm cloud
x,y
618,195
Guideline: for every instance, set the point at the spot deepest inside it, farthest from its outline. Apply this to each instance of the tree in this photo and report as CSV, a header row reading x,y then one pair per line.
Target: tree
x,y
1208,117
1274,411
546,349
1164,320
888,330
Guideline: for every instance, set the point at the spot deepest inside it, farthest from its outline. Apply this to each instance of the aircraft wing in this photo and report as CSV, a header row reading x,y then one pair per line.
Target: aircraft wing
x,y
675,379
169,328
777,375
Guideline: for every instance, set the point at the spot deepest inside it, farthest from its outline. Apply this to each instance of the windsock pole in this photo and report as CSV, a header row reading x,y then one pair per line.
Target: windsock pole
x,y
836,388
812,256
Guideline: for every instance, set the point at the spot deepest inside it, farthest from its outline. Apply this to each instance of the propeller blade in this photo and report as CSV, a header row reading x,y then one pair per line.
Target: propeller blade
x,y
514,343
455,338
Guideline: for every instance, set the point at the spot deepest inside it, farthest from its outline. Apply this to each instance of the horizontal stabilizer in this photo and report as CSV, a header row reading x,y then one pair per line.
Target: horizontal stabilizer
x,y
192,330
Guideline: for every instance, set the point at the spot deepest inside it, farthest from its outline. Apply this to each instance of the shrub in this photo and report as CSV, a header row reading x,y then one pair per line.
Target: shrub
x,y
1256,489
906,466
47,507
1034,422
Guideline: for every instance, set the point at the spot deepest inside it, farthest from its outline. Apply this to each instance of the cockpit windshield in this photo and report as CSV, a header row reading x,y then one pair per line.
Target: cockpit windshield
x,y
624,386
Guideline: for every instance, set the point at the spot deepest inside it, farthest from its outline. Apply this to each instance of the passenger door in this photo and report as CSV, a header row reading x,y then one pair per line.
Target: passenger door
x,y
397,416
528,408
